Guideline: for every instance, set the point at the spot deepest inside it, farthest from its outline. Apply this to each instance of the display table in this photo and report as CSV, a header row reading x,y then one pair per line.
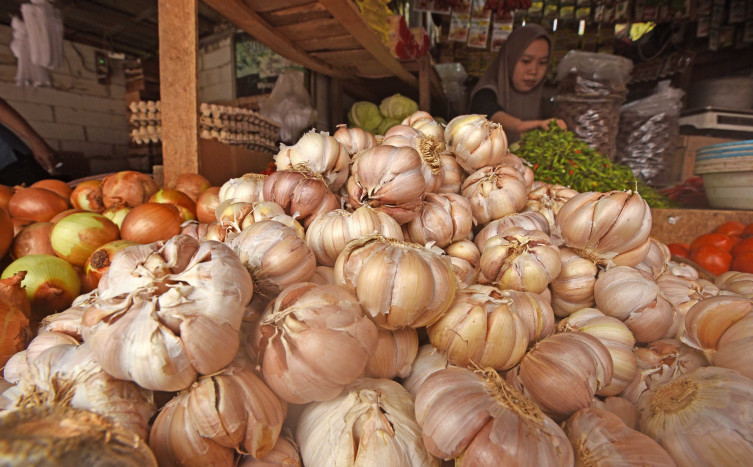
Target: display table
x,y
684,225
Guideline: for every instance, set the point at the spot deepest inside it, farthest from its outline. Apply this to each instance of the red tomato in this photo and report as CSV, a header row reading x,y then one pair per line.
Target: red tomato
x,y
721,241
743,246
743,262
748,230
711,258
679,249
730,228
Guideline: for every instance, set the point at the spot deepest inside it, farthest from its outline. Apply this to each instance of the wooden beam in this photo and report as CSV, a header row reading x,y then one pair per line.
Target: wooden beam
x,y
179,88
250,21
424,84
346,12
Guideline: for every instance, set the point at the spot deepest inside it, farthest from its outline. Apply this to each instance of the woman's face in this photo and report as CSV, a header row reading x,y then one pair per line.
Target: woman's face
x,y
531,67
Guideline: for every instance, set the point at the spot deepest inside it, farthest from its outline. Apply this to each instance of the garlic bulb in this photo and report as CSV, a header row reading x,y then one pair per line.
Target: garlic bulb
x,y
232,218
488,327
548,199
465,259
428,361
283,454
274,255
168,312
494,192
522,166
328,234
529,220
722,327
321,153
69,321
354,140
702,418
520,259
370,424
248,188
682,270
657,259
615,336
573,288
573,360
315,340
301,192
736,282
683,293
415,284
607,228
388,179
601,438
634,298
478,419
323,275
622,408
454,175
430,150
444,218
395,351
425,123
475,141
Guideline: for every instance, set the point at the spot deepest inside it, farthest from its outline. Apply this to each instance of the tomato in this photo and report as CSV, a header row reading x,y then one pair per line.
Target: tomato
x,y
721,241
711,258
745,245
679,249
730,228
748,230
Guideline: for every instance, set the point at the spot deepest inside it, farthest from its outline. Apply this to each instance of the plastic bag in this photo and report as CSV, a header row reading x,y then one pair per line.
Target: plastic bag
x,y
44,25
648,134
453,76
593,74
289,105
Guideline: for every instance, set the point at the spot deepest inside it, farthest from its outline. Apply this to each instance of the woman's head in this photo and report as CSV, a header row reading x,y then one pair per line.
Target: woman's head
x,y
528,50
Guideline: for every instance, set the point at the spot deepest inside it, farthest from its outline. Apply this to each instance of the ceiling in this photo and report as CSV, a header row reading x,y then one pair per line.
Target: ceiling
x,y
128,26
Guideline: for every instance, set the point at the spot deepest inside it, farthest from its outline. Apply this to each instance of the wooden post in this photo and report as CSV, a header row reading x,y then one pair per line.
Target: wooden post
x,y
337,115
179,90
424,84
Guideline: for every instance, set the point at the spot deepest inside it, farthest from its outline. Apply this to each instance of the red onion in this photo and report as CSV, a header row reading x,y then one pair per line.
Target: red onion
x,y
151,222
128,187
206,204
88,196
192,185
186,206
36,204
34,239
56,186
76,237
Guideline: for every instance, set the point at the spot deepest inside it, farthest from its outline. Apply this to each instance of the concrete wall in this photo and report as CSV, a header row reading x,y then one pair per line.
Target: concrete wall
x,y
216,71
76,113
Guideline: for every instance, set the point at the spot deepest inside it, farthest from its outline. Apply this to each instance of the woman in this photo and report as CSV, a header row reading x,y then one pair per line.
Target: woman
x,y
509,93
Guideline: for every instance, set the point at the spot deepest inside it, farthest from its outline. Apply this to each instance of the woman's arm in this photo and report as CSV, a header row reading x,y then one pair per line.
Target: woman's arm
x,y
43,153
521,126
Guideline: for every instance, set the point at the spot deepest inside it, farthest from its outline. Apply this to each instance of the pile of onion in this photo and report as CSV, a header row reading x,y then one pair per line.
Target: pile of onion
x,y
76,237
151,222
36,204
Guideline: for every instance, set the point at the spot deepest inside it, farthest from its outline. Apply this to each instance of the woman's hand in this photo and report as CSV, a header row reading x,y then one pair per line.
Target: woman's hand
x,y
543,124
47,158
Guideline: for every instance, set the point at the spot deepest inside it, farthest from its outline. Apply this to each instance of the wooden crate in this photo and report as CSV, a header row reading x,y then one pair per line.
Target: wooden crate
x,y
682,166
684,225
220,162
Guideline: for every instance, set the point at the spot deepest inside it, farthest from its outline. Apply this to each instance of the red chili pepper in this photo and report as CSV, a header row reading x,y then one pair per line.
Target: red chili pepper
x,y
571,162
577,151
571,172
607,166
535,166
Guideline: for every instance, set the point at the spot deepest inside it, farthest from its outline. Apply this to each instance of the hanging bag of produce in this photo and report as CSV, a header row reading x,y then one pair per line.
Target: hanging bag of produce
x,y
289,105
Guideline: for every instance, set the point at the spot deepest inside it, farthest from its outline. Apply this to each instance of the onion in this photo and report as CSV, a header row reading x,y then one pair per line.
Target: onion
x,y
5,193
117,213
186,206
51,283
192,185
76,237
14,317
65,213
34,239
86,284
37,204
19,223
7,232
99,261
151,222
206,204
88,195
56,186
128,187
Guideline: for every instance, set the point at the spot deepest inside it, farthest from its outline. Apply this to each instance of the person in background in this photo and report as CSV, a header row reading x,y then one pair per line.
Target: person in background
x,y
509,92
24,156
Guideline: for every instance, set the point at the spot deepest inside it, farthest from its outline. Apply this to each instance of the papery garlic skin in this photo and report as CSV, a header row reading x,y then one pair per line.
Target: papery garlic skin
x,y
315,340
683,293
428,361
443,219
736,282
573,288
657,260
519,259
425,123
621,407
416,284
354,139
529,220
283,454
475,141
302,193
249,188
370,424
494,192
522,166
454,175
321,153
329,233
548,199
430,150
480,420
394,354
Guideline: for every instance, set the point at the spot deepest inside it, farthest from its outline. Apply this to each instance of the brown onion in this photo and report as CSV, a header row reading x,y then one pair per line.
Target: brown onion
x,y
36,204
99,261
117,213
56,186
34,239
14,317
128,187
206,204
19,224
75,237
192,184
65,213
88,195
151,222
7,232
5,193
186,206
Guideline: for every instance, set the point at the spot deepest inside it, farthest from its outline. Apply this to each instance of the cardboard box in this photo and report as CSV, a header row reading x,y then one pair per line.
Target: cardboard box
x,y
219,162
684,225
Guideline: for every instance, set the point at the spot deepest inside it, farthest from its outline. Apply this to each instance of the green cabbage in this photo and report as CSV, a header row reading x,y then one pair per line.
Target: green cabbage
x,y
386,124
398,107
365,115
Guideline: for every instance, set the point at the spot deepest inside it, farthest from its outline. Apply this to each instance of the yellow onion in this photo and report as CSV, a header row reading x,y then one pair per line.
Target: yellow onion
x,y
322,154
328,234
454,175
494,192
36,204
87,195
475,141
444,218
736,282
248,188
354,139
477,418
192,184
430,150
301,192
65,213
425,123
33,239
370,424
428,361
117,213
573,360
519,259
388,179
76,237
702,418
601,438
185,205
206,204
548,199
657,259
395,351
55,186
5,194
127,187
151,222
314,340
573,288
100,260
416,283
221,414
14,317
608,228
529,220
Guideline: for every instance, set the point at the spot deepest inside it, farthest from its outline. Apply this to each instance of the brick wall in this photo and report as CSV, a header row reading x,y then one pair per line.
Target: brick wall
x,y
216,73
